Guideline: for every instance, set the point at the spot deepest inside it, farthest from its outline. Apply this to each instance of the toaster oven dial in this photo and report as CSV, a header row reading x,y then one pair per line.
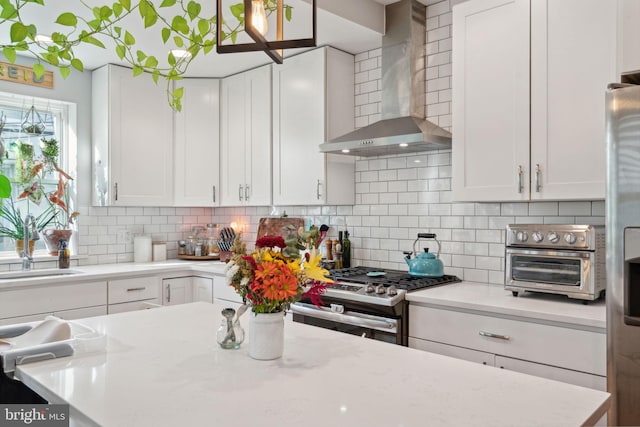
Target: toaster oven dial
x,y
538,236
522,236
570,238
553,237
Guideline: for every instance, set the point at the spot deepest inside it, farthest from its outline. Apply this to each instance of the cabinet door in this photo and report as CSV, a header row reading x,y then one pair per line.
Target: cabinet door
x,y
233,124
573,58
490,155
177,291
258,143
197,144
298,129
141,140
202,289
629,36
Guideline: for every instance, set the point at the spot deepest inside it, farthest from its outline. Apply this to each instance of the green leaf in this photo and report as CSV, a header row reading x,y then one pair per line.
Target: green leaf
x,y
287,12
237,10
117,9
58,38
129,39
155,75
178,41
180,24
18,32
118,31
21,46
137,70
167,3
67,19
166,33
234,35
171,60
32,30
9,53
140,55
51,58
151,62
77,64
208,46
193,9
38,70
65,71
148,13
94,41
121,51
105,12
178,92
8,11
203,26
5,187
94,24
126,4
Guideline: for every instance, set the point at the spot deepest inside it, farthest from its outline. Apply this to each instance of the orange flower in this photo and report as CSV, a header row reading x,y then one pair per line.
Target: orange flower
x,y
275,281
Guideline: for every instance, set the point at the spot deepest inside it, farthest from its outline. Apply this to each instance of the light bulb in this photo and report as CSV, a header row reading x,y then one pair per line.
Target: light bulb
x,y
259,17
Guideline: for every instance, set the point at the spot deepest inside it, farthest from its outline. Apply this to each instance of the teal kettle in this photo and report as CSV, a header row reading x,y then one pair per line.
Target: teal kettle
x,y
424,264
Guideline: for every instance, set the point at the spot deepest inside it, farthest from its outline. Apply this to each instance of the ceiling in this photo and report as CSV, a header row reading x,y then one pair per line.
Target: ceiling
x,y
353,26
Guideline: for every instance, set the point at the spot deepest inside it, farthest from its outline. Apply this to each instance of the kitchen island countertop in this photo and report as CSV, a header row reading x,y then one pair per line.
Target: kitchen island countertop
x,y
162,367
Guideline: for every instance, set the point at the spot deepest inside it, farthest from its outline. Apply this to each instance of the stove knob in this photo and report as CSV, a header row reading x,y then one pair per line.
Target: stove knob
x,y
522,236
380,290
368,288
538,236
553,237
392,291
570,238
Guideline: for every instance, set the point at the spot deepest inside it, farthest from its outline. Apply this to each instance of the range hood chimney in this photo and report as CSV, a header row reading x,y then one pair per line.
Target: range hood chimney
x,y
403,128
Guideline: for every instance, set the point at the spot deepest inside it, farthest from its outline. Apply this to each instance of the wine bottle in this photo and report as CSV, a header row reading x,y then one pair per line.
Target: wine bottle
x,y
346,251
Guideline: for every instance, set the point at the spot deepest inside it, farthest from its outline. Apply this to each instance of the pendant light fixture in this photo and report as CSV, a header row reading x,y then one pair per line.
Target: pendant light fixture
x,y
256,26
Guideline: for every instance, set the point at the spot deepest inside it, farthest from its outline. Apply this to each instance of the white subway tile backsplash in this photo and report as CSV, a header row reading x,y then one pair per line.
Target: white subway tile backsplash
x,y
543,208
438,9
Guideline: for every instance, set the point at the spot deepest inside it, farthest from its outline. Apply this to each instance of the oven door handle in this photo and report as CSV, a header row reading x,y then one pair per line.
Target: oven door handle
x,y
353,318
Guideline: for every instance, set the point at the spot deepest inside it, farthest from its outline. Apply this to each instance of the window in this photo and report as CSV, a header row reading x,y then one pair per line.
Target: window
x,y
31,126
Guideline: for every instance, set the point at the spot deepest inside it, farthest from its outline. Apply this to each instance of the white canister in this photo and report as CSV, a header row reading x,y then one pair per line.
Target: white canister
x,y
159,251
142,248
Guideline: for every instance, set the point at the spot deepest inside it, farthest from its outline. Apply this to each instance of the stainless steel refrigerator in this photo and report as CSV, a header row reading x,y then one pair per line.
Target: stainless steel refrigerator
x,y
623,253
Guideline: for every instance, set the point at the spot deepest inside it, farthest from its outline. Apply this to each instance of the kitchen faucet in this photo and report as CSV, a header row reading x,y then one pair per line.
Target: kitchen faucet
x,y
26,258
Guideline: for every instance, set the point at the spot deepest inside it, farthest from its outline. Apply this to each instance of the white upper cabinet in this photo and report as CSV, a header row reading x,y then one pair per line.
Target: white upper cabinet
x,y
313,102
245,142
491,100
197,144
628,36
132,131
504,150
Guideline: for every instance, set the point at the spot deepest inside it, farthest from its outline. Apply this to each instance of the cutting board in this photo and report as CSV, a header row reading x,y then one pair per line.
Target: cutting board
x,y
273,226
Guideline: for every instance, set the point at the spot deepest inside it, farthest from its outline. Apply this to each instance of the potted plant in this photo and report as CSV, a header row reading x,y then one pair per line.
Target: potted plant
x,y
13,224
59,202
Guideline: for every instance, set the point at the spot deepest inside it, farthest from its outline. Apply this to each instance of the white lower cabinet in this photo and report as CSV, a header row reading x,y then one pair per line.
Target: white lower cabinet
x,y
224,294
202,289
133,294
181,290
561,352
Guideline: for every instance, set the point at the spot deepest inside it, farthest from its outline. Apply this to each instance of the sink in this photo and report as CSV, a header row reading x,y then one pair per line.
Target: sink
x,y
12,275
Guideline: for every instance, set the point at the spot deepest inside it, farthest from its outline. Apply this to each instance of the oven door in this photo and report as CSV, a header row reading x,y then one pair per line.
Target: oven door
x,y
551,271
337,318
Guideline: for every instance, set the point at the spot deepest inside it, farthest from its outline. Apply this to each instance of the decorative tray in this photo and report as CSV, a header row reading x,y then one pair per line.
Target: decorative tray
x,y
200,258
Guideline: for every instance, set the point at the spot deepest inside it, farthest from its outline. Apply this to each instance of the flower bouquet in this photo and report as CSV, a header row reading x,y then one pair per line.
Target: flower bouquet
x,y
274,276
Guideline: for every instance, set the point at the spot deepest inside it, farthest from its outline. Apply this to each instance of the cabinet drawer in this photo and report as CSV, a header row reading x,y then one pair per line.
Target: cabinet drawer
x,y
134,306
137,289
574,349
49,299
551,372
223,291
453,351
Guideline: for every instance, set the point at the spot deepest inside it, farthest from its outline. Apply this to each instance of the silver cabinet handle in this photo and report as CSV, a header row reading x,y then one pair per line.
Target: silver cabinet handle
x,y
318,195
168,292
520,188
240,193
116,192
537,178
214,194
246,193
136,289
492,335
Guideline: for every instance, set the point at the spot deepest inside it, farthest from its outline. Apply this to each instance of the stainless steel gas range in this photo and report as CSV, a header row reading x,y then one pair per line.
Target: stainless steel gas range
x,y
368,302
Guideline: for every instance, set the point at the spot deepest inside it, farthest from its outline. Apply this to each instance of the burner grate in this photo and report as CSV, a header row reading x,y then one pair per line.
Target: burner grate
x,y
399,279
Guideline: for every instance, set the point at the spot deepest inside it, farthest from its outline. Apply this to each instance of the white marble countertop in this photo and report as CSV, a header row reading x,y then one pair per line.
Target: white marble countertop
x,y
494,299
162,367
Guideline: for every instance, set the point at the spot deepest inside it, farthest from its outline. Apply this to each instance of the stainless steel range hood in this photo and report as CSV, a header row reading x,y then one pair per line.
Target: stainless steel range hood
x,y
403,128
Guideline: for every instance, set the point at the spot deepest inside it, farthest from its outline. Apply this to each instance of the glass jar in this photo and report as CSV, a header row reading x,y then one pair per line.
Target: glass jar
x,y
230,334
182,247
191,245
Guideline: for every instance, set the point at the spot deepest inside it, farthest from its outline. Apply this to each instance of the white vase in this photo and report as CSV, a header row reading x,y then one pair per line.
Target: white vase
x,y
266,335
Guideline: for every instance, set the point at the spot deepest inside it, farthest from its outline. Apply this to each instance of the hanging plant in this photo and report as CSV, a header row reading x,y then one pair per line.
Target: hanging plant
x,y
50,152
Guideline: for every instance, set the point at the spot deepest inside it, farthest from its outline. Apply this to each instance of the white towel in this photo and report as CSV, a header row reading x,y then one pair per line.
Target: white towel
x,y
49,330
